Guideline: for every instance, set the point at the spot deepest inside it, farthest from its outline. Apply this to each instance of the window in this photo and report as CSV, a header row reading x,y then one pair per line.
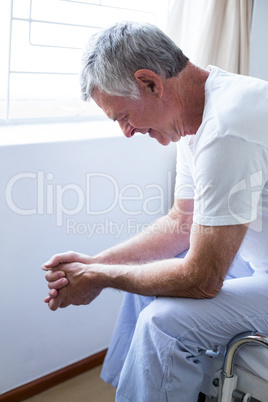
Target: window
x,y
41,46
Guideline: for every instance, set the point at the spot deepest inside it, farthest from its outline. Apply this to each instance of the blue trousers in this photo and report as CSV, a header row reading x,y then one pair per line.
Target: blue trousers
x,y
154,353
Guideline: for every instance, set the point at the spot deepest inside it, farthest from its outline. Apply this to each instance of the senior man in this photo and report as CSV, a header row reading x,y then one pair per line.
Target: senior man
x,y
177,308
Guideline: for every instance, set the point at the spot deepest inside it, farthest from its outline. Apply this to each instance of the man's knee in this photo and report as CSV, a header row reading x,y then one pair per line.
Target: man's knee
x,y
166,315
186,320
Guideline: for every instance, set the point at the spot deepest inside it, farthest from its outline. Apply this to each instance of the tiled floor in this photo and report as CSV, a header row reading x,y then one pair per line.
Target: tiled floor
x,y
86,387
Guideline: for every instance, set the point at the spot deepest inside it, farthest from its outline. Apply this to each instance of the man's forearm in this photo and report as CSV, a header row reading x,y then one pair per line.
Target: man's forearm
x,y
169,278
165,238
200,274
157,278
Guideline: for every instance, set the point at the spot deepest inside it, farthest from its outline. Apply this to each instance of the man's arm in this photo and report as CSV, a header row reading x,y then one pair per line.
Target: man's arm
x,y
199,275
165,238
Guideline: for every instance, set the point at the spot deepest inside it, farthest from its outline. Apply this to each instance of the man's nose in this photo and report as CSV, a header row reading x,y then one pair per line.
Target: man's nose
x,y
126,128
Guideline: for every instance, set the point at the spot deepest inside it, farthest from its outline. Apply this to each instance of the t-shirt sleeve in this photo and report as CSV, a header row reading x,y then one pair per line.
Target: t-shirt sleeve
x,y
184,186
230,175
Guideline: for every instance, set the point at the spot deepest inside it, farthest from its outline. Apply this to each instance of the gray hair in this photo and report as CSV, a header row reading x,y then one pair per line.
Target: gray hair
x,y
113,55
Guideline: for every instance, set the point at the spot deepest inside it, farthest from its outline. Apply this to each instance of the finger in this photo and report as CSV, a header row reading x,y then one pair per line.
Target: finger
x,y
69,256
60,283
55,260
47,299
52,293
52,276
54,304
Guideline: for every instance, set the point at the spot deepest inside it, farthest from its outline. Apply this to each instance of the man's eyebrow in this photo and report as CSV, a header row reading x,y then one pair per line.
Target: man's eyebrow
x,y
119,116
112,117
115,118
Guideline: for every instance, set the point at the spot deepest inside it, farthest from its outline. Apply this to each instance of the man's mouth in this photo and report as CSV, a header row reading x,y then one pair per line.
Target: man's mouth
x,y
141,131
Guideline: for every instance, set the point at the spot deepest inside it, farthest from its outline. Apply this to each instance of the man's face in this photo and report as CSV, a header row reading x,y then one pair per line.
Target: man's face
x,y
142,115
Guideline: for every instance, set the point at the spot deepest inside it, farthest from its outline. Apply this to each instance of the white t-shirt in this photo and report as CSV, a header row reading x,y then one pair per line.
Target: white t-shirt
x,y
224,166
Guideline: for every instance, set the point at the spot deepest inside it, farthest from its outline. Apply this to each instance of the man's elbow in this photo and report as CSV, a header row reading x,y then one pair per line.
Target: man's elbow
x,y
209,290
205,287
209,293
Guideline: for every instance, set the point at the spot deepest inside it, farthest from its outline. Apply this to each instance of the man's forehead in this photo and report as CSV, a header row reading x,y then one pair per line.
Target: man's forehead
x,y
99,96
102,99
112,105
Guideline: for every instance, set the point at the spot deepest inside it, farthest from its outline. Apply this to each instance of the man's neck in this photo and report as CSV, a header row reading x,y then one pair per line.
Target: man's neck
x,y
189,92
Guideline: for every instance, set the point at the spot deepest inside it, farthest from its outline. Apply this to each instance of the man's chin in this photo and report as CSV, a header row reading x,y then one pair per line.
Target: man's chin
x,y
158,137
164,142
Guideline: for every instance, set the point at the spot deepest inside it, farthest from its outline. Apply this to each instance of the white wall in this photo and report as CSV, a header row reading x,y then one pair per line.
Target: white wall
x,y
41,176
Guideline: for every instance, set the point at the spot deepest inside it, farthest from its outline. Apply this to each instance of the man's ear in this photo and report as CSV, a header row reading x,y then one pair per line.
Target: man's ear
x,y
149,81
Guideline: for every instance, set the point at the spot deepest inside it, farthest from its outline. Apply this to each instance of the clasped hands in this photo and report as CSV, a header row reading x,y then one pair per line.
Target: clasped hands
x,y
71,280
